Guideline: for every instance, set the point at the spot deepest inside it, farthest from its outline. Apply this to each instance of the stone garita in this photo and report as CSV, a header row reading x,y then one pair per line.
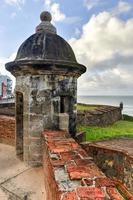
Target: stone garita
x,y
46,72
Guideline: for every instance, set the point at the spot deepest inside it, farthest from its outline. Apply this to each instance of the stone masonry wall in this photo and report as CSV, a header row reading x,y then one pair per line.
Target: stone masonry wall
x,y
70,174
7,109
42,96
114,163
7,130
101,116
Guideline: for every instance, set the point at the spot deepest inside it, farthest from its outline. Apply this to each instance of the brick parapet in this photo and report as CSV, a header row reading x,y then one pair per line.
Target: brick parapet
x,y
7,130
116,163
71,174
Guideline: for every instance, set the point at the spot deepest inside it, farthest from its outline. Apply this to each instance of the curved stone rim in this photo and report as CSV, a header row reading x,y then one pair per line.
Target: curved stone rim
x,y
59,63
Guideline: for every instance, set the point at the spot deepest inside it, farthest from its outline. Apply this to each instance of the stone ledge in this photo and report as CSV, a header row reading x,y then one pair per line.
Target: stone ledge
x,y
95,145
102,116
71,173
115,162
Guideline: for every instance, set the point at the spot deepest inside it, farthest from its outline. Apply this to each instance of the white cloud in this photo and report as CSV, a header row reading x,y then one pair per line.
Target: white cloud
x,y
106,48
47,2
122,7
17,3
91,3
58,15
55,10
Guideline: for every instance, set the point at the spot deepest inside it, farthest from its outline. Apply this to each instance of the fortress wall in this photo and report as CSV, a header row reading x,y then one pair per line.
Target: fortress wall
x,y
113,162
7,130
101,116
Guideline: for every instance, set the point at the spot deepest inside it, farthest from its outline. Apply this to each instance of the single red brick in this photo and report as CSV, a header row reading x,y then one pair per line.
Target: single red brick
x,y
67,156
90,193
54,134
104,182
69,142
61,149
79,172
70,196
113,193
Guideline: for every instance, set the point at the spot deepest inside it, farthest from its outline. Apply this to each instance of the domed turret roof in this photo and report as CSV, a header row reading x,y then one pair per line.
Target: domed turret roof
x,y
45,47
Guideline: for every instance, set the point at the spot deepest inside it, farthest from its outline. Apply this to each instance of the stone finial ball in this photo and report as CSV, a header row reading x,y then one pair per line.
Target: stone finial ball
x,y
45,16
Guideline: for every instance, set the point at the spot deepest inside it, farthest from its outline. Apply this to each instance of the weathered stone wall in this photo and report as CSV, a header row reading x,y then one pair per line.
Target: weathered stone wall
x,y
7,109
42,96
71,174
113,163
101,116
7,130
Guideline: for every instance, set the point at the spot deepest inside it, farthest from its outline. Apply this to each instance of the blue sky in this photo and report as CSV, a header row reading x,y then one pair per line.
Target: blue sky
x,y
100,32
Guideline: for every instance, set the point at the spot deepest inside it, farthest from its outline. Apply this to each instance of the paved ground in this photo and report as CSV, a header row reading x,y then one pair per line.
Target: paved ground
x,y
120,144
17,181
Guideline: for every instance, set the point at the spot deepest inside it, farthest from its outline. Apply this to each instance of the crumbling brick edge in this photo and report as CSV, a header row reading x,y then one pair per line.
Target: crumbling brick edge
x,y
70,174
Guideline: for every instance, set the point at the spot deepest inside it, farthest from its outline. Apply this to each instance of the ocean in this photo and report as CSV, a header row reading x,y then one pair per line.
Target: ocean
x,y
110,100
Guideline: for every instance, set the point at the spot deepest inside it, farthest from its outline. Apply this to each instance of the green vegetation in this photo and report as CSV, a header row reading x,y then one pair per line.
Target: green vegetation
x,y
83,107
128,118
119,129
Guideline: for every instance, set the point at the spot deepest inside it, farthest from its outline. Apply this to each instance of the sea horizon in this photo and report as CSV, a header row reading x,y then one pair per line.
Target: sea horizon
x,y
113,100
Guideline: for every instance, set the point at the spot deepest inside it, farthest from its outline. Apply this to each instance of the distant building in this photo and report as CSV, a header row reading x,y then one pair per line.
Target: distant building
x,y
5,86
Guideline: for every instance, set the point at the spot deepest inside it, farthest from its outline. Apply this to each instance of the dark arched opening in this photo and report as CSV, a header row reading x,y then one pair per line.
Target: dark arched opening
x,y
19,124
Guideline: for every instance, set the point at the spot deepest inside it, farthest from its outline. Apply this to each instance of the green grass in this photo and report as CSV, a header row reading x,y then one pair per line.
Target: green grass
x,y
128,118
83,107
119,129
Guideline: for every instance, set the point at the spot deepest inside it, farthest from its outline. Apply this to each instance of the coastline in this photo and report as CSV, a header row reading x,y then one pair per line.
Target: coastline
x,y
109,100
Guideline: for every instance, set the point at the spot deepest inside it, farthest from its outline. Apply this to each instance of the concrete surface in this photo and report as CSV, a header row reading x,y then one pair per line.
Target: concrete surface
x,y
18,181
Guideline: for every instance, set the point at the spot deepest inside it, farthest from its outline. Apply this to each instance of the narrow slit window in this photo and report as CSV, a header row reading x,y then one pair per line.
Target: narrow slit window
x,y
62,104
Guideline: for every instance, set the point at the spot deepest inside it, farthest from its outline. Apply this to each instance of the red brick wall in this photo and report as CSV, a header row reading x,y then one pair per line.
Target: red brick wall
x,y
70,174
7,130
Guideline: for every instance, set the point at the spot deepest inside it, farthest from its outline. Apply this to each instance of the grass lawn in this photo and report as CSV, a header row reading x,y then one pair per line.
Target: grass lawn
x,y
119,129
83,107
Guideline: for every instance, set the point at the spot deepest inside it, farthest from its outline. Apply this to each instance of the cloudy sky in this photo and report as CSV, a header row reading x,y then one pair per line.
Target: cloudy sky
x,y
100,32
